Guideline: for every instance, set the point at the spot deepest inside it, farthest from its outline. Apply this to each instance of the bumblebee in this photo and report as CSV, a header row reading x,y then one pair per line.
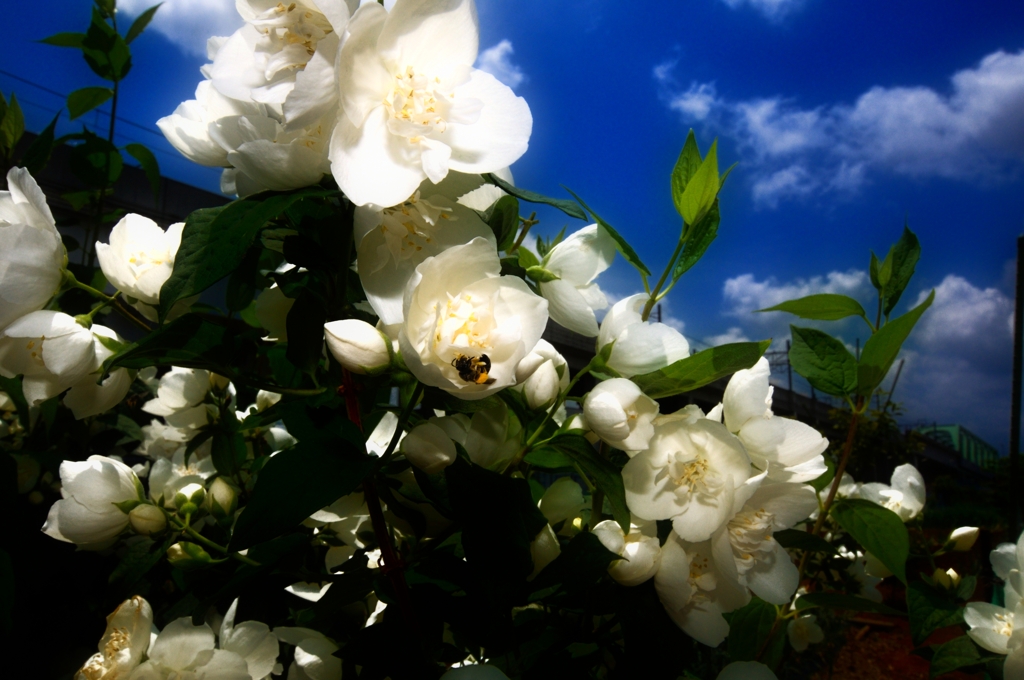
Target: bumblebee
x,y
473,369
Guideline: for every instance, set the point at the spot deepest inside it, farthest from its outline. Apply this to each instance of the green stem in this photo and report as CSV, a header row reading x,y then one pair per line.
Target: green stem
x,y
192,533
514,463
278,389
653,299
113,300
403,419
527,224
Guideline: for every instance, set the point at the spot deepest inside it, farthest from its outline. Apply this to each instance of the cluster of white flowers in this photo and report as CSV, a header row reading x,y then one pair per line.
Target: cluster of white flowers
x,y
1001,629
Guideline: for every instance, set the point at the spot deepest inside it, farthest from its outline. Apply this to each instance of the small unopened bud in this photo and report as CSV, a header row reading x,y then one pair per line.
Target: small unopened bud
x,y
189,498
358,346
147,519
218,382
185,555
946,579
962,539
222,499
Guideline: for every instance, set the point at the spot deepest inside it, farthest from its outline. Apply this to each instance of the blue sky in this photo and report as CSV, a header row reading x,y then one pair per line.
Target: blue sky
x,y
845,118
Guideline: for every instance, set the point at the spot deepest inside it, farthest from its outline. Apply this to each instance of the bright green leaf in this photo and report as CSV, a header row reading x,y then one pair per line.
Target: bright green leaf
x,y
904,255
702,368
297,482
702,190
86,99
823,361
620,243
824,307
503,219
565,205
881,349
147,161
688,163
844,602
526,258
140,23
879,530
701,236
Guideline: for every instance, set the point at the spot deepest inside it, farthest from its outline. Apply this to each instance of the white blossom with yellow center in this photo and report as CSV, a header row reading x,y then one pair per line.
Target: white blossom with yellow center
x,y
123,644
413,105
466,328
140,258
689,473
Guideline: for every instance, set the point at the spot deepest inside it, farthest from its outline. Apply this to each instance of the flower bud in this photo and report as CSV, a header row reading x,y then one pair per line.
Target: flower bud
x,y
189,498
620,414
562,501
222,500
147,520
185,555
542,375
948,579
358,346
265,400
428,447
962,539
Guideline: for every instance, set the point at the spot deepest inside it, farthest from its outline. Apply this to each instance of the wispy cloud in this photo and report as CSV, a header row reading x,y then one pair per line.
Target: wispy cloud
x,y
774,10
974,131
496,61
188,23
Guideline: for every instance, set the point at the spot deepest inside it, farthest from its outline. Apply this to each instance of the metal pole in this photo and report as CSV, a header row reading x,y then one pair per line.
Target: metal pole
x,y
789,372
1018,366
894,381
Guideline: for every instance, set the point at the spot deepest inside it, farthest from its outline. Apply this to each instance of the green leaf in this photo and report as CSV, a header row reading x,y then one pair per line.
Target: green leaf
x,y
105,51
957,653
803,540
844,602
702,189
37,155
881,349
968,584
192,341
824,307
688,163
701,236
565,205
606,476
139,559
702,368
215,241
503,219
305,324
12,127
65,40
621,244
547,457
878,529
526,258
874,270
96,162
930,610
86,99
228,452
749,629
823,361
580,566
140,23
904,256
297,482
149,166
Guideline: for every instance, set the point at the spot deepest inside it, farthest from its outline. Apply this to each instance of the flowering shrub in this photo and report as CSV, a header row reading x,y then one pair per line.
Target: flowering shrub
x,y
382,456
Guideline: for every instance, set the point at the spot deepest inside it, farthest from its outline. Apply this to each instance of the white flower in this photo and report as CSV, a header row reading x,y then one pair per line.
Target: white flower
x,y
746,551
272,307
640,551
466,327
123,644
182,650
790,450
544,549
87,514
963,538
162,441
746,670
640,346
562,501
187,129
358,346
413,105
429,448
573,297
393,241
694,593
251,640
690,474
140,259
905,496
803,631
620,414
491,437
314,654
1000,629
859,570
170,475
50,349
542,375
179,399
89,398
31,252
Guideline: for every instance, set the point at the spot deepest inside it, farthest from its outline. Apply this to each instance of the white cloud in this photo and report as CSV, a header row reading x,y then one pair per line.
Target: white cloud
x,y
744,294
973,132
773,10
188,23
495,60
965,319
734,334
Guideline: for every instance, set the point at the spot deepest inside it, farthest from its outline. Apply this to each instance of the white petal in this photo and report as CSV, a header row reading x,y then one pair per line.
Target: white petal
x,y
582,256
983,619
775,579
430,35
568,308
364,80
179,643
499,137
372,165
747,395
642,348
316,87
